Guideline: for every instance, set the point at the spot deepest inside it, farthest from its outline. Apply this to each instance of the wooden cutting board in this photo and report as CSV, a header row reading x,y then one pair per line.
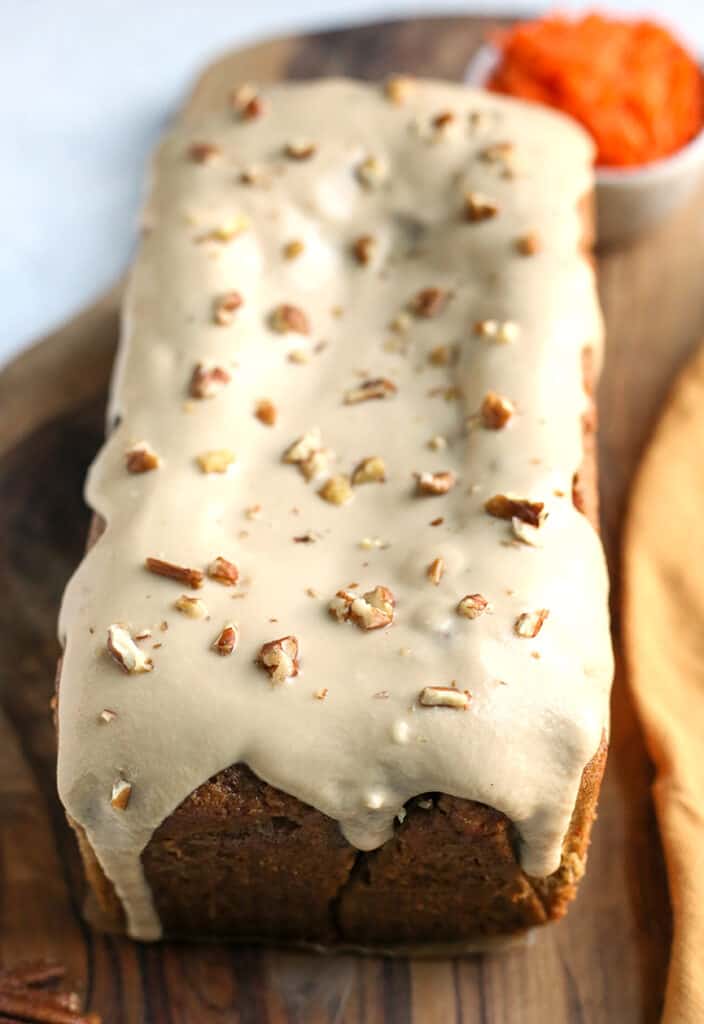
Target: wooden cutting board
x,y
606,962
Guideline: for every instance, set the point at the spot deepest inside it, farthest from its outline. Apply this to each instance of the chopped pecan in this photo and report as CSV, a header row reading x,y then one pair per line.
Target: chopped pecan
x,y
478,207
472,606
223,571
436,570
316,464
218,460
503,506
529,244
293,249
371,470
191,577
207,380
526,533
373,610
501,331
529,624
429,302
337,489
442,355
300,149
191,606
265,411
226,231
399,88
304,447
435,483
378,387
280,658
141,458
363,249
226,640
121,793
225,307
496,411
497,152
203,152
444,697
442,121
372,172
246,102
125,651
288,319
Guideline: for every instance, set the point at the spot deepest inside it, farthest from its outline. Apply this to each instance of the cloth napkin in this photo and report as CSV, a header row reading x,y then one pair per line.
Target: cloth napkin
x,y
663,624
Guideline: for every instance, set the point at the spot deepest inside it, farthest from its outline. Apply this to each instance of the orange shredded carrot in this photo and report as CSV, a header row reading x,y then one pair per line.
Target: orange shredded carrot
x,y
630,83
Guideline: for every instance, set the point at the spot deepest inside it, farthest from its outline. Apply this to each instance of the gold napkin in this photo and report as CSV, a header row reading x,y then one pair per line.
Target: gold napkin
x,y
663,625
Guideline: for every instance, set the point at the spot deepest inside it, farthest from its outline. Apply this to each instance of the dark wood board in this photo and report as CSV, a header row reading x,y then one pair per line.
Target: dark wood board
x,y
606,962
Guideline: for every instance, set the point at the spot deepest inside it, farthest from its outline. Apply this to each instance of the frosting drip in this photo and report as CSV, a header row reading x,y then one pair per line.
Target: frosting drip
x,y
507,305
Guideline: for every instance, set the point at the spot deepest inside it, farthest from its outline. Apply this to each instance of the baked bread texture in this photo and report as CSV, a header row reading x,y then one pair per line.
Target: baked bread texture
x,y
337,663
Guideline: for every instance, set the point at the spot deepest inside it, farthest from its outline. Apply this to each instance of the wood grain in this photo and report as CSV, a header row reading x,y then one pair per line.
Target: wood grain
x,y
606,961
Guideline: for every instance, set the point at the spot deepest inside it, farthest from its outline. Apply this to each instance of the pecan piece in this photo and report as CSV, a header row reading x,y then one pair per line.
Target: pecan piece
x,y
203,152
502,331
429,302
191,577
265,411
371,470
225,307
363,249
226,231
478,207
280,658
208,380
436,570
125,651
304,447
226,640
377,387
141,458
293,249
472,606
373,610
372,172
496,411
246,102
444,697
529,624
121,793
529,244
223,571
300,149
435,483
399,88
286,319
218,460
503,506
497,152
193,607
337,490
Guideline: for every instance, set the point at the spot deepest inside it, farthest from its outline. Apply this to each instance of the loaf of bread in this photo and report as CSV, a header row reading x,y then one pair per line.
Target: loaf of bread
x,y
337,663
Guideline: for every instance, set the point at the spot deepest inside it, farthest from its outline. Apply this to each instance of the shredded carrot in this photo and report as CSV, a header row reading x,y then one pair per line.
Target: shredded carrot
x,y
630,83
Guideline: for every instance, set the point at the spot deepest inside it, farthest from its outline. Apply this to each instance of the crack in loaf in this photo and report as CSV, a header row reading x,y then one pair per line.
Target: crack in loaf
x,y
426,419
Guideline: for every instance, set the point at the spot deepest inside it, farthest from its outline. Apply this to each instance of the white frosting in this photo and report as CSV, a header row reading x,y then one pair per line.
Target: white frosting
x,y
532,723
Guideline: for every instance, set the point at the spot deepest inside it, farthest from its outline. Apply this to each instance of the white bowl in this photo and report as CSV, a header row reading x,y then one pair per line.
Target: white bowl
x,y
629,201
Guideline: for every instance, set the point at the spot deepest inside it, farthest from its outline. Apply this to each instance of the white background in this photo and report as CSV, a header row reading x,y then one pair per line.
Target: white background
x,y
86,86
